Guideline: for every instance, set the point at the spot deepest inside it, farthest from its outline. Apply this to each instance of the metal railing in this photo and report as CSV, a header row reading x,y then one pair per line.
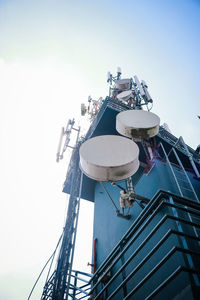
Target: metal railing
x,y
79,286
164,219
174,141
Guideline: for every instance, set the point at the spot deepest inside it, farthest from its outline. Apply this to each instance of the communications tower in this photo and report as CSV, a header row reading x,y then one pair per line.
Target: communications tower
x,y
145,185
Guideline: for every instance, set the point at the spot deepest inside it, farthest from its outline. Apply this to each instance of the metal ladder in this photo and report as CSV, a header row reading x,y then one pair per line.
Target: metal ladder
x,y
184,179
181,145
181,178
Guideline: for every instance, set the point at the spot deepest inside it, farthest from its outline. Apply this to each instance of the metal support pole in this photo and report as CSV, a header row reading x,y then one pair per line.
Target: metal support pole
x,y
117,210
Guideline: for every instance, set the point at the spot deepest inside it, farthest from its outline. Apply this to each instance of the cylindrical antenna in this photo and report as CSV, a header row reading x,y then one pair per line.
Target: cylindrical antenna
x,y
149,99
60,144
119,72
142,93
109,76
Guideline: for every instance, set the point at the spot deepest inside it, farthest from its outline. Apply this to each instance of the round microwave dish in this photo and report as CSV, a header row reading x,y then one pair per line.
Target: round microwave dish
x,y
109,158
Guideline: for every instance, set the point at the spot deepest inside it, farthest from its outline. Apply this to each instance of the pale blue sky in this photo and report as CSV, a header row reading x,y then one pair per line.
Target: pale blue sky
x,y
158,40
53,54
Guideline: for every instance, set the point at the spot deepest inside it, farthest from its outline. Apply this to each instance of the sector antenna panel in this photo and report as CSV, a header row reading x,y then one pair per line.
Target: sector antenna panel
x,y
109,158
137,124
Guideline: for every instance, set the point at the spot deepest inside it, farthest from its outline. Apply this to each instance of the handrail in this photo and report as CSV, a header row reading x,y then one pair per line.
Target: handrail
x,y
164,238
161,198
140,219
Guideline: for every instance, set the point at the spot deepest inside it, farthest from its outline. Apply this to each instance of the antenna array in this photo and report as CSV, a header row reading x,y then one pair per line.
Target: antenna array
x,y
129,91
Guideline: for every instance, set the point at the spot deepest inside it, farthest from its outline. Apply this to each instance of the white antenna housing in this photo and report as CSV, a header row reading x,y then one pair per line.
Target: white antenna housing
x,y
109,158
137,124
83,109
108,76
124,96
142,93
146,91
119,70
123,84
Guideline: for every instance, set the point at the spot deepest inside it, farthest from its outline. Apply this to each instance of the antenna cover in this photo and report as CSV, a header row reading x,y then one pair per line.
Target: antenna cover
x,y
137,124
109,158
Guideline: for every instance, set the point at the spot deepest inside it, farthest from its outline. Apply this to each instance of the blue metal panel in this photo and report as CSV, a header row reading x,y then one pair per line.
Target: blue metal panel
x,y
195,182
108,228
159,258
160,178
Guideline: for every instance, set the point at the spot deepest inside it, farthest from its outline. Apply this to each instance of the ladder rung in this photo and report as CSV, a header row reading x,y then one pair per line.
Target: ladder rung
x,y
185,183
179,171
186,189
182,179
176,170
